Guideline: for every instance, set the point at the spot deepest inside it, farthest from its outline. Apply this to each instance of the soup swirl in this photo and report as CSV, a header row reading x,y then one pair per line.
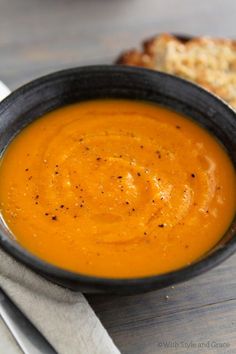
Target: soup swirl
x,y
116,188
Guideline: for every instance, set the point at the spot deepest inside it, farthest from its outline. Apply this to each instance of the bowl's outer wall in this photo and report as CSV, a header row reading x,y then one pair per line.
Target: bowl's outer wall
x,y
79,84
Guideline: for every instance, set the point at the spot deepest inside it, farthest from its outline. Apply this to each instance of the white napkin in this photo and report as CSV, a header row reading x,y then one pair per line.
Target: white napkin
x,y
64,317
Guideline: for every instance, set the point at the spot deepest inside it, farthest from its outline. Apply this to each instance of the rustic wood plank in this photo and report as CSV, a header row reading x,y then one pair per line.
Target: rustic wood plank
x,y
37,37
199,310
40,36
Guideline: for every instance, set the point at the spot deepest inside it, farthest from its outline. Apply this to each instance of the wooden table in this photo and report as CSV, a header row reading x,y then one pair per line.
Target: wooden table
x,y
40,36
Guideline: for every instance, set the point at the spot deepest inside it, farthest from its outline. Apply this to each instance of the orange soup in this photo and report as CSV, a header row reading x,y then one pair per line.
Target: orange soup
x,y
116,188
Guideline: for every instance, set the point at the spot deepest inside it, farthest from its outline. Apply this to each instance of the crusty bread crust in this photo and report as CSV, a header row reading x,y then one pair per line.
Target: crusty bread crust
x,y
210,62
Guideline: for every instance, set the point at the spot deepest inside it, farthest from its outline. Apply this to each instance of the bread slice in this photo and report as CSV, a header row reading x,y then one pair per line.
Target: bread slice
x,y
209,62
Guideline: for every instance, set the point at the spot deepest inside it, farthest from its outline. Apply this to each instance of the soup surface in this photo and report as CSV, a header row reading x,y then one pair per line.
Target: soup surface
x,y
116,188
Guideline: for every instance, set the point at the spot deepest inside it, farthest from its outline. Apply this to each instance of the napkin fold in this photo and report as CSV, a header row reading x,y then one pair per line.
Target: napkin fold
x,y
64,317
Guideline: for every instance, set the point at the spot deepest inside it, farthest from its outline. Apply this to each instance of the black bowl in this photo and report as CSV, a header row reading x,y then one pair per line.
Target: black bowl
x,y
65,87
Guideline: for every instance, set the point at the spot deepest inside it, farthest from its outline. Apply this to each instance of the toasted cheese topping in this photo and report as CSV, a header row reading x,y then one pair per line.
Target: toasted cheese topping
x,y
206,61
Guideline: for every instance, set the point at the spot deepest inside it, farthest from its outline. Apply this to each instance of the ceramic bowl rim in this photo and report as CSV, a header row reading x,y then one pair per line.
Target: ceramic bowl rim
x,y
43,267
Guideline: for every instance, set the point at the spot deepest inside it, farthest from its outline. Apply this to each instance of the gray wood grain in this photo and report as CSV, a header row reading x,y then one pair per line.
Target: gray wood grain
x,y
200,310
40,36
